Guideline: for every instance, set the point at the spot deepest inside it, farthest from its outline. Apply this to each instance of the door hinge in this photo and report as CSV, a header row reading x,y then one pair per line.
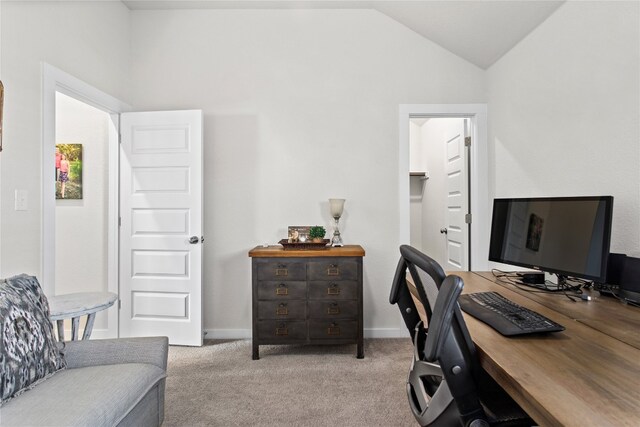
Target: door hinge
x,y
119,138
119,221
119,304
467,218
467,141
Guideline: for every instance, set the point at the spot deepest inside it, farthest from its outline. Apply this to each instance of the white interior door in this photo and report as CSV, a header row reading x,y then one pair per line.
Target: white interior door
x,y
161,225
457,230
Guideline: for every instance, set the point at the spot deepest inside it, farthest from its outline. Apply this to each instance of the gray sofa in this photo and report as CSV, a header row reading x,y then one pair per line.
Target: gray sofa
x,y
117,382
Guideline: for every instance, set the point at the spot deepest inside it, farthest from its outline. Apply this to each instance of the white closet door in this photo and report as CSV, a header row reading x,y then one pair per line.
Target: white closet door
x,y
457,200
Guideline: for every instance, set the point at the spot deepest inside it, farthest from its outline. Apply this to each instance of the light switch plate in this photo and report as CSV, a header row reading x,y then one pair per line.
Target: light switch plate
x,y
21,199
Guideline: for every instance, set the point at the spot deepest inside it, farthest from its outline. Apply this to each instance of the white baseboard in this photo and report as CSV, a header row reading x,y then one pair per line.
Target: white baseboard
x,y
230,334
386,333
227,334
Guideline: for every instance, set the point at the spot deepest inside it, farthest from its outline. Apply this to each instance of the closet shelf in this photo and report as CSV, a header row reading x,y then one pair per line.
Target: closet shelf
x,y
421,175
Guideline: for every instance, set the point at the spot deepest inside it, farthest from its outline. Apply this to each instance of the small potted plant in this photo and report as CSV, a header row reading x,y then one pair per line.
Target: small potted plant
x,y
317,233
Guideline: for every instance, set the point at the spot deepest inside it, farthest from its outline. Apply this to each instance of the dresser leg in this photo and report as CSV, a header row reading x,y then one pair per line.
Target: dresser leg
x,y
255,355
360,351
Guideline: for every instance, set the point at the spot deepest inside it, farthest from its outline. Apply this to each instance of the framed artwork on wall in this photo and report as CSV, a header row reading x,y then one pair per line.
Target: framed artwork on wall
x,y
69,171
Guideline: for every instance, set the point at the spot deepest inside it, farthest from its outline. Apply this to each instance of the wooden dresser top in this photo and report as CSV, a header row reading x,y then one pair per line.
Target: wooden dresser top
x,y
276,251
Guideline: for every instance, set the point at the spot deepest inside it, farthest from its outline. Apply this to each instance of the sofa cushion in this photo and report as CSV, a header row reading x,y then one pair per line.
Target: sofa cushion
x,y
28,351
91,396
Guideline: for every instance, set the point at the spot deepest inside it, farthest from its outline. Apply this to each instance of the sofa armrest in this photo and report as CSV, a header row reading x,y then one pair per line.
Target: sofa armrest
x,y
152,350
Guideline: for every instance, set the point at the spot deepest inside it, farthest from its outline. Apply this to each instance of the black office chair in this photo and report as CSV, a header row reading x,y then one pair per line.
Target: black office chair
x,y
446,384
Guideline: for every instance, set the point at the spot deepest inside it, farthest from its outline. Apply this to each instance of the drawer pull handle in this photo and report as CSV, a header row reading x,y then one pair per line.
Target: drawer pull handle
x,y
334,329
333,270
282,290
282,310
333,309
282,270
282,330
333,289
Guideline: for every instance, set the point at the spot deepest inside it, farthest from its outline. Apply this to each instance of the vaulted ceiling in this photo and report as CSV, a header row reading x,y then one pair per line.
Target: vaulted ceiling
x,y
480,31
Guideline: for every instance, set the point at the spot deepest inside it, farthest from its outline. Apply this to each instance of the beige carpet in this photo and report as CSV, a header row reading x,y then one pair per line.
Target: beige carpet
x,y
219,385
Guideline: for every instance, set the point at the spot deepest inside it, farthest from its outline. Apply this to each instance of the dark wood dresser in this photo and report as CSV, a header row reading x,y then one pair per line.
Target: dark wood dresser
x,y
307,296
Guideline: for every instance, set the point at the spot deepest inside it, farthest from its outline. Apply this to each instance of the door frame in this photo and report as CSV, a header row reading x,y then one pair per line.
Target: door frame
x,y
478,175
55,80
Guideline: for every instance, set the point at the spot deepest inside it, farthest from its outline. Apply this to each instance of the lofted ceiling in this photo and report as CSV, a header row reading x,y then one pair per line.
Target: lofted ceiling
x,y
480,31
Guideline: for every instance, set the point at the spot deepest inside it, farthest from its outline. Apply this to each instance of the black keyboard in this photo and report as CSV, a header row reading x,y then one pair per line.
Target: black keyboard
x,y
505,316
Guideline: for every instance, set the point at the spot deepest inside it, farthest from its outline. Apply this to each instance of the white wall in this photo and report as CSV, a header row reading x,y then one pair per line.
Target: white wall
x,y
417,163
81,225
0,154
299,106
564,109
416,192
89,40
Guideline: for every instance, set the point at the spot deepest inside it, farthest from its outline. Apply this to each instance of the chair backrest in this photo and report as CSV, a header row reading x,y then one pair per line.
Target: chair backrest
x,y
427,280
445,343
429,397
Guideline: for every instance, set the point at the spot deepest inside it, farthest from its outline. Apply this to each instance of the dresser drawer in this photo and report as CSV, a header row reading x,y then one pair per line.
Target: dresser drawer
x,y
337,329
282,330
289,309
333,309
339,289
282,270
282,290
333,270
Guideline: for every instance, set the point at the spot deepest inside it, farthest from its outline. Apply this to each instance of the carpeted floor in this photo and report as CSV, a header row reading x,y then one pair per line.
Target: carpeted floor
x,y
219,385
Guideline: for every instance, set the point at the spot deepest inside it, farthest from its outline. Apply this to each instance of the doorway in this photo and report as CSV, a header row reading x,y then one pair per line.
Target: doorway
x,y
56,85
438,158
476,179
82,205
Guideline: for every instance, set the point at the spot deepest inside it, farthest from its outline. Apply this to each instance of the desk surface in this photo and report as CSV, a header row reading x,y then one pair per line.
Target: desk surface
x,y
587,375
606,314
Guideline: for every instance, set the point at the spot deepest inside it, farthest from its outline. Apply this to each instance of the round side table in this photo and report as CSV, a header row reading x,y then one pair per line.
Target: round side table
x,y
74,306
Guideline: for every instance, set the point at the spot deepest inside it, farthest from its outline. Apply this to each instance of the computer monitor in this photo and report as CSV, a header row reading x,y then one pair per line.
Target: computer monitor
x,y
568,236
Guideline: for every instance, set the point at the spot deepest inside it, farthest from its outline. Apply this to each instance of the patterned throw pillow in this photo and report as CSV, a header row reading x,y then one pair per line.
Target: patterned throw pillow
x,y
28,351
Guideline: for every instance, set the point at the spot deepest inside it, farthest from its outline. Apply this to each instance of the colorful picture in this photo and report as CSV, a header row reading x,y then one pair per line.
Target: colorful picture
x,y
298,233
68,171
534,234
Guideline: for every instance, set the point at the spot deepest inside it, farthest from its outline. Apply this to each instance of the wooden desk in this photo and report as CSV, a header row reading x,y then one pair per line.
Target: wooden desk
x,y
587,375
606,314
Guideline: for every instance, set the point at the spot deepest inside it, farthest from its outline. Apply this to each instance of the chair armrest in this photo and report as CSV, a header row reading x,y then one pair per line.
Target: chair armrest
x,y
442,317
152,350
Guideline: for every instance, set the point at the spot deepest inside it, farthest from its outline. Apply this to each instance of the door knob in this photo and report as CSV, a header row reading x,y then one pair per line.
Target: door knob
x,y
443,230
193,240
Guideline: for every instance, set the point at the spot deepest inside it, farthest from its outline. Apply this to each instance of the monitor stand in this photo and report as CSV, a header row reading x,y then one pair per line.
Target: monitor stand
x,y
561,285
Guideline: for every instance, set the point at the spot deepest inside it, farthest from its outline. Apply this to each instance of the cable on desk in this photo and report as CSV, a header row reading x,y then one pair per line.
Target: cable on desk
x,y
510,277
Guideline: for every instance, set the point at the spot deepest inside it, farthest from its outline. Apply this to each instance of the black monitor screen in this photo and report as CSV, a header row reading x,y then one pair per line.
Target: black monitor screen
x,y
564,235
